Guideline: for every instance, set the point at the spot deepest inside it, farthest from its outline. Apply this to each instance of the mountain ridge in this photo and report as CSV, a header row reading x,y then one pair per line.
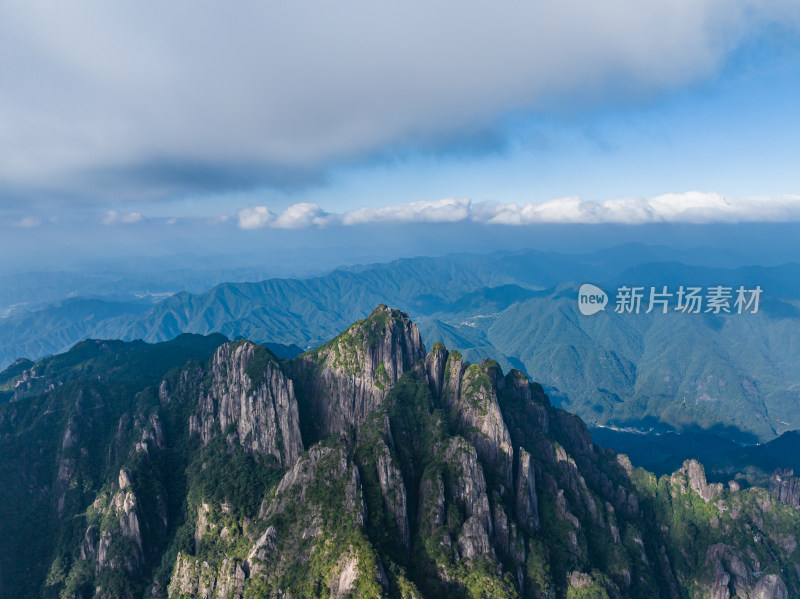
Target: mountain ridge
x,y
628,372
438,478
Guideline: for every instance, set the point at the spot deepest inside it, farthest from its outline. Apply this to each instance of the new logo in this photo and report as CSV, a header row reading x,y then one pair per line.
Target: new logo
x,y
591,299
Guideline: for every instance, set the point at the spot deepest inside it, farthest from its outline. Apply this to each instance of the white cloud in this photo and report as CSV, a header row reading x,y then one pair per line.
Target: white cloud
x,y
439,211
279,89
301,215
112,217
688,207
255,217
296,216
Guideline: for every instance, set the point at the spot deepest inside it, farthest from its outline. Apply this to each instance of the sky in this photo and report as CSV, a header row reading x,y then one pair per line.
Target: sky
x,y
139,123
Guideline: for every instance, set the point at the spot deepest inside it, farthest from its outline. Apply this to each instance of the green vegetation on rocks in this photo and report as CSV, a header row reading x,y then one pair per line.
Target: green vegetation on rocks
x,y
146,471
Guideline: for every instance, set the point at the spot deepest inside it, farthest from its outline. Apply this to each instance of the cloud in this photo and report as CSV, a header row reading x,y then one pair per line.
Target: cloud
x,y
112,217
296,216
439,211
689,207
694,207
225,96
301,215
255,217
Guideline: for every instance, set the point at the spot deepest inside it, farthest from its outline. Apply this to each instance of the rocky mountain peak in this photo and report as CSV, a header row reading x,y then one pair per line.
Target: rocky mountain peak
x,y
470,394
348,377
425,476
250,393
435,364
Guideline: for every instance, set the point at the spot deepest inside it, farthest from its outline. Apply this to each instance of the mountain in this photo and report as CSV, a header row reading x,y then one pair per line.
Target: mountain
x,y
146,279
730,374
733,375
723,459
301,311
366,467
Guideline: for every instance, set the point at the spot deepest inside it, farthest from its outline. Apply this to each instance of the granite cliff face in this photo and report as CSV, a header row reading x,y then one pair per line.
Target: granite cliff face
x,y
469,392
786,486
748,534
347,378
250,393
416,475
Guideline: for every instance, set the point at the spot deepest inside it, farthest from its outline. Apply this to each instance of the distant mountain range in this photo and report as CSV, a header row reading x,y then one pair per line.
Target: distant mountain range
x,y
735,375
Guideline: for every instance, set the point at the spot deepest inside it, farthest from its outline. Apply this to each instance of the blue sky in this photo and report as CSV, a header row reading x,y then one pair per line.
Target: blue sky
x,y
140,116
735,132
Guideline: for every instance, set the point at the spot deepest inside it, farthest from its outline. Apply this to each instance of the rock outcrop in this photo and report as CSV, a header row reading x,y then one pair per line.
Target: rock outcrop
x,y
786,486
195,578
423,476
732,571
527,503
393,490
435,365
321,497
770,586
115,514
152,438
468,490
125,505
250,393
695,476
321,467
469,392
348,378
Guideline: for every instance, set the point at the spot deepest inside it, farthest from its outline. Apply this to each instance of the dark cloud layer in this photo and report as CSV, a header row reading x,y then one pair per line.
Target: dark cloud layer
x,y
147,99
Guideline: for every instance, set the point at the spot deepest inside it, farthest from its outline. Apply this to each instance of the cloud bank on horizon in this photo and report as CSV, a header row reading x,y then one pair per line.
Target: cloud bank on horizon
x,y
140,100
691,207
